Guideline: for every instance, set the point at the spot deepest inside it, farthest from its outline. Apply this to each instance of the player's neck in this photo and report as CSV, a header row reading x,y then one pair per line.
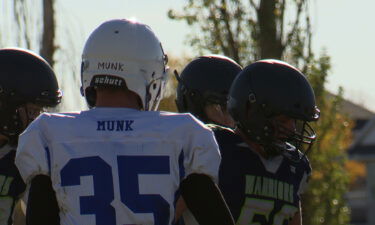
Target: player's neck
x,y
254,146
117,99
117,104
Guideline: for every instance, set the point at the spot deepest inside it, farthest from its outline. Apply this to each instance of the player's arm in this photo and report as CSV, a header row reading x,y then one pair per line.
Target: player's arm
x,y
42,207
297,219
33,161
202,160
203,198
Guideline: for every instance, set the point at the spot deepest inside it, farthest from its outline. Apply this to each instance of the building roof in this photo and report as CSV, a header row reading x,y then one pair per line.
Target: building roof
x,y
355,111
363,147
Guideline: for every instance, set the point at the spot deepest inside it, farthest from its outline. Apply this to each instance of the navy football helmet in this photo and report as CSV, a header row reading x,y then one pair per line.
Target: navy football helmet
x,y
205,80
265,90
24,78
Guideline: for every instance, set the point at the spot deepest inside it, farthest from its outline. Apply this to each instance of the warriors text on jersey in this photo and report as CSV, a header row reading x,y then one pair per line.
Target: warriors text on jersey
x,y
257,190
11,185
115,165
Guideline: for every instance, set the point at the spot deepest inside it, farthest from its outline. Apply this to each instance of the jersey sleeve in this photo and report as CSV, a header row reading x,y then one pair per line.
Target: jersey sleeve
x,y
32,156
202,152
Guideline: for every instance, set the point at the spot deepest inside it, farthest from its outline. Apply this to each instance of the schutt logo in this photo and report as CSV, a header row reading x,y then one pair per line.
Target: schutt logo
x,y
110,80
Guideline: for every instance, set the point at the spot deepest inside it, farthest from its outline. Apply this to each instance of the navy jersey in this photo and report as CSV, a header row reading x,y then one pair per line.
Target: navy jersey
x,y
258,190
11,187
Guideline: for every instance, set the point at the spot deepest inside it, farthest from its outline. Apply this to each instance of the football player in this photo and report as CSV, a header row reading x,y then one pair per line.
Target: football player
x,y
264,167
203,88
121,162
27,85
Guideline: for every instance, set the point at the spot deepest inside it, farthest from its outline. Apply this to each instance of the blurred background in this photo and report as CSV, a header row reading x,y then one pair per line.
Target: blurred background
x,y
331,41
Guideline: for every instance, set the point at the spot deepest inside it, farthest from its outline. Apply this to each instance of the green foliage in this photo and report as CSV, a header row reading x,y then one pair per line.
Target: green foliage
x,y
250,30
247,30
324,202
168,101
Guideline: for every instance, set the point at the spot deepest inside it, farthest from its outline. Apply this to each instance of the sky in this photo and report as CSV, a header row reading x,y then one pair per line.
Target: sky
x,y
344,28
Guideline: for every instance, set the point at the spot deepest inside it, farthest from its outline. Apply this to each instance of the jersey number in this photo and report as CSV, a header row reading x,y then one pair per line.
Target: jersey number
x,y
129,167
262,208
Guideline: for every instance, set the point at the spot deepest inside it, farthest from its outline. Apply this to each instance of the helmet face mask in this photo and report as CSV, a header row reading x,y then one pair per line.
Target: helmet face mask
x,y
272,103
128,55
29,112
290,136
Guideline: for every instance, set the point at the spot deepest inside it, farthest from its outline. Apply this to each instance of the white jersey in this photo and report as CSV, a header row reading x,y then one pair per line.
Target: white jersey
x,y
116,165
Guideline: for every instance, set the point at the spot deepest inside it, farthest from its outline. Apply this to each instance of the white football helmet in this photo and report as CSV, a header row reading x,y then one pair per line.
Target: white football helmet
x,y
125,53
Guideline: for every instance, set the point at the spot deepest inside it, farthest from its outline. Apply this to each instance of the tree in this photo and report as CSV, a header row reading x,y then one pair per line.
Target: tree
x,y
248,30
19,24
33,25
324,201
168,101
251,30
33,32
48,48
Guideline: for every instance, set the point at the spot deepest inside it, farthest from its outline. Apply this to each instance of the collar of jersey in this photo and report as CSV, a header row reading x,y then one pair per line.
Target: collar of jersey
x,y
271,165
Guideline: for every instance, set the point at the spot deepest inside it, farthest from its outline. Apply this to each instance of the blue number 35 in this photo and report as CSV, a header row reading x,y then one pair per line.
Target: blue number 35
x,y
129,167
